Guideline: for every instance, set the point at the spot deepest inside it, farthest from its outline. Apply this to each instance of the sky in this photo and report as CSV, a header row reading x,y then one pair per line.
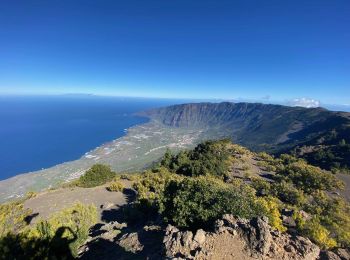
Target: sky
x,y
293,51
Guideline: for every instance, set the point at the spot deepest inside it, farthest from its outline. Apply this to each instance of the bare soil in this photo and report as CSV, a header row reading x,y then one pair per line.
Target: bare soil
x,y
346,179
245,167
46,203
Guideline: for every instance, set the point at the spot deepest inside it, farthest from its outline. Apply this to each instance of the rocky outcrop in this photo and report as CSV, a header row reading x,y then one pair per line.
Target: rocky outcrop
x,y
116,240
236,238
232,238
182,244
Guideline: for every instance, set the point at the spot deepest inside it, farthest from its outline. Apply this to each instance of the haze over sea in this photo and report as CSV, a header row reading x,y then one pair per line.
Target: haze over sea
x,y
41,131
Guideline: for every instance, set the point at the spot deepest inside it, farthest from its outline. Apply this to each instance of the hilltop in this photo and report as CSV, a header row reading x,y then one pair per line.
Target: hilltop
x,y
218,200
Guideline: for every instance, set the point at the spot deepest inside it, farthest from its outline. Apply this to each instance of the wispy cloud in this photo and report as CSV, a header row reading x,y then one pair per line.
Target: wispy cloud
x,y
267,97
304,102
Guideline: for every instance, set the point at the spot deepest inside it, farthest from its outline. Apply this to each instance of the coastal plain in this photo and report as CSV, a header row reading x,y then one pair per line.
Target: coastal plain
x,y
139,148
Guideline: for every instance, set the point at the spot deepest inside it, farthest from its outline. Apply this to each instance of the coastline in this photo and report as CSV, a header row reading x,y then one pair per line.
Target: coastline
x,y
141,145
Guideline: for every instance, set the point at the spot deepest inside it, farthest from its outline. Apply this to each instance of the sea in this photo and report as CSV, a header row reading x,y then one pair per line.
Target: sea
x,y
38,132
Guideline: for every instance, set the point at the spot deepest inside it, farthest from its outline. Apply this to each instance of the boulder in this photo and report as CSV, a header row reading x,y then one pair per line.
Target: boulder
x,y
289,222
199,237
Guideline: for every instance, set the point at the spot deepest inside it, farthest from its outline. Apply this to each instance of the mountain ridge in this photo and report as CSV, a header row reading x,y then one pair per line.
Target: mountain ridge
x,y
266,127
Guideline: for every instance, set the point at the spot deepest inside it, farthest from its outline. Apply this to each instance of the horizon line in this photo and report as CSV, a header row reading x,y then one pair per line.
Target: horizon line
x,y
235,100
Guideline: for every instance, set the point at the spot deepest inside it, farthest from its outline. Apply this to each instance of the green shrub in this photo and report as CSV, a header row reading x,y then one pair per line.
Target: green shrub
x,y
271,208
245,167
236,149
59,237
129,176
262,187
31,194
21,246
266,166
307,177
262,164
333,214
12,218
97,175
288,159
265,156
197,202
115,186
167,159
319,234
72,224
287,193
207,158
151,184
70,184
284,191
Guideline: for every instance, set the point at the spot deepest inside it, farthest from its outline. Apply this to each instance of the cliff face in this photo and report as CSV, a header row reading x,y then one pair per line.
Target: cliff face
x,y
253,125
261,127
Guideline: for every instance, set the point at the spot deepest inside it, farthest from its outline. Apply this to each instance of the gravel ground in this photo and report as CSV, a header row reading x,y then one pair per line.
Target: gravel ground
x,y
46,203
346,179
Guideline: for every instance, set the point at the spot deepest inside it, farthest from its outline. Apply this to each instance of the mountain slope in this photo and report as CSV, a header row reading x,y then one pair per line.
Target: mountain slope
x,y
272,128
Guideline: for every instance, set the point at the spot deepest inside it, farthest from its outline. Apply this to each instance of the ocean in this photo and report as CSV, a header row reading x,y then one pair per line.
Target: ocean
x,y
38,132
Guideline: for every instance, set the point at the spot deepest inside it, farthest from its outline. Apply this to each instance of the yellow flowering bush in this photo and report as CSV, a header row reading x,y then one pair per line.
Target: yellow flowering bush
x,y
115,186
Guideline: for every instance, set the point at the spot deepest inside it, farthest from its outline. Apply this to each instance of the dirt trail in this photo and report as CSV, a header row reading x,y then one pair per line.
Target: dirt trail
x,y
49,202
246,167
346,179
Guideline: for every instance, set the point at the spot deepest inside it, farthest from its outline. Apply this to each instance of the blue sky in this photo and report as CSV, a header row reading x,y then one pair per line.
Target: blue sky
x,y
257,50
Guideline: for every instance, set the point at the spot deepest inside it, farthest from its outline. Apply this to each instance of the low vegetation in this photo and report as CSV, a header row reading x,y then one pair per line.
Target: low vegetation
x,y
129,176
13,218
333,154
208,158
306,177
151,186
115,186
197,202
58,237
303,187
193,188
97,175
31,194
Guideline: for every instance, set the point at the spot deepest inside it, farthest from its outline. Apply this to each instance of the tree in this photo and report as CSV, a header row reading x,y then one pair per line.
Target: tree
x,y
167,159
208,158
